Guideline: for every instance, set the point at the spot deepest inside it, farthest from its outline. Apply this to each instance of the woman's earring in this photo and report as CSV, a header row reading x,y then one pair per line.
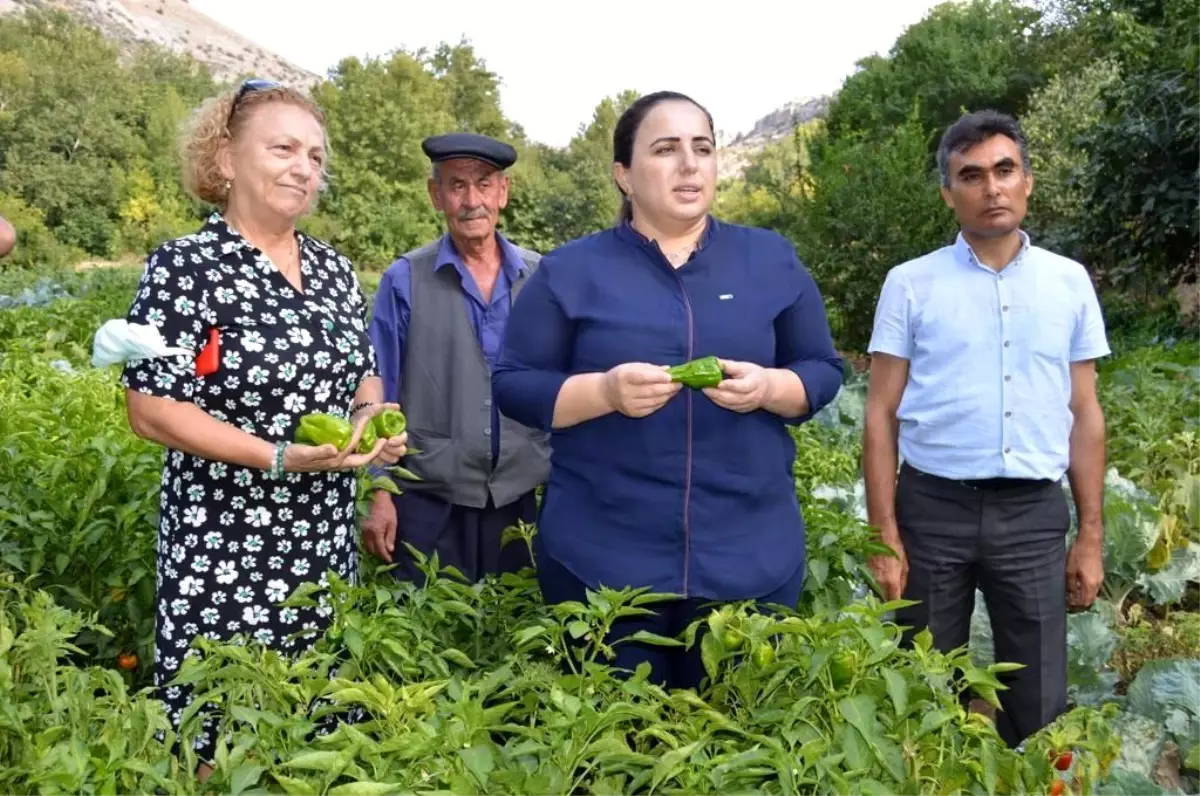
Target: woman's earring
x,y
228,185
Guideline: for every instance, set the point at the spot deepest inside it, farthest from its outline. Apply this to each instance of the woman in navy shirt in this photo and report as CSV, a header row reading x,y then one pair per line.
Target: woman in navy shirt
x,y
651,484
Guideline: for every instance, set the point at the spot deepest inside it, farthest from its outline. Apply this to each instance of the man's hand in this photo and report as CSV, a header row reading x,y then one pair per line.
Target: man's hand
x,y
891,573
379,527
746,387
1085,574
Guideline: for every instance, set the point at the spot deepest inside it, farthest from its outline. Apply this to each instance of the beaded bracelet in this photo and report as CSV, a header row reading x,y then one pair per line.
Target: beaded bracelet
x,y
277,465
362,405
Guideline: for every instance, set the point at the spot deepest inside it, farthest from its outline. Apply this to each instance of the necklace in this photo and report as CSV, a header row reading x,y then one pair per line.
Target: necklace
x,y
680,255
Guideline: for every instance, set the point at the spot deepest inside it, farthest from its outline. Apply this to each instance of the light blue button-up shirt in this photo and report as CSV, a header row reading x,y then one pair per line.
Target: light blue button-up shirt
x,y
990,353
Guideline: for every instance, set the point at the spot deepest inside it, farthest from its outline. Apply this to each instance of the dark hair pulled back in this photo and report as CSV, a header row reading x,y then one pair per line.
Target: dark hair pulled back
x,y
627,128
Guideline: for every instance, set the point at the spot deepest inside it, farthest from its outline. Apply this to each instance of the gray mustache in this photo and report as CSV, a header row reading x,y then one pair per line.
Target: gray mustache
x,y
467,215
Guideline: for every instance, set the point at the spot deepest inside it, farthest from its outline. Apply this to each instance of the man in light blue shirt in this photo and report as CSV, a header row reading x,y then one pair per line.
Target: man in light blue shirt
x,y
983,384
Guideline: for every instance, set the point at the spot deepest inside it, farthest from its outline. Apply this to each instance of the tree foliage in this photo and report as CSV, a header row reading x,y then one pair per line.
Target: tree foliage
x,y
1106,90
873,203
974,54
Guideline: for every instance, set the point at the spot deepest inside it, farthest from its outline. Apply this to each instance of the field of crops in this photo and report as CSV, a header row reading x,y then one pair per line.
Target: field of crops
x,y
458,689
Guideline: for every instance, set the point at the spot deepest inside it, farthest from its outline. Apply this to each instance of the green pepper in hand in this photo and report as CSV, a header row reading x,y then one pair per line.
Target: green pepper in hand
x,y
368,439
323,429
699,373
389,423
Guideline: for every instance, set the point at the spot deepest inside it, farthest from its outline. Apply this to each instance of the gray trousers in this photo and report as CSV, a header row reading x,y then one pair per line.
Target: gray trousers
x,y
1008,538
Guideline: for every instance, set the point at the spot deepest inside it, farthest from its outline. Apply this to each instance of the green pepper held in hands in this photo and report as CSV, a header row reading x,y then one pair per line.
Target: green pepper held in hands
x,y
699,373
322,429
389,423
368,439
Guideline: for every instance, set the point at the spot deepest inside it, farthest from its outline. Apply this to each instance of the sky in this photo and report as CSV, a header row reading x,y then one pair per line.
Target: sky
x,y
742,59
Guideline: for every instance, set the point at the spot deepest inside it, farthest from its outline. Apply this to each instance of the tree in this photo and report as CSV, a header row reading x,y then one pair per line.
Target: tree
x,y
1143,169
377,113
975,55
473,90
873,205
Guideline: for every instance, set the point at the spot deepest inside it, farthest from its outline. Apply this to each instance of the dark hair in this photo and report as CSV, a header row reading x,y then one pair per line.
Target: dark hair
x,y
627,128
973,129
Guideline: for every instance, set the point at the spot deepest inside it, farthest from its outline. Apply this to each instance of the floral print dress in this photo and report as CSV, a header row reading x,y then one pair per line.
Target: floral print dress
x,y
232,542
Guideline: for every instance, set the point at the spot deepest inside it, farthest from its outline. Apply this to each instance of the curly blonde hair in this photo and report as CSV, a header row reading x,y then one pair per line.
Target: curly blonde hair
x,y
211,127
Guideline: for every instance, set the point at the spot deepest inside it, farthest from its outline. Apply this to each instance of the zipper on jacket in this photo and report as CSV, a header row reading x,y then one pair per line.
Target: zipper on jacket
x,y
687,482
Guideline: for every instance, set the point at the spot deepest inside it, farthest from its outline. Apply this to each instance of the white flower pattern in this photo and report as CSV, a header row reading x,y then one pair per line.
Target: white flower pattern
x,y
224,526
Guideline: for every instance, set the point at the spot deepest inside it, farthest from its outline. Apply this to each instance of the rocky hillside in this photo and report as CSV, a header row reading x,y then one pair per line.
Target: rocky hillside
x,y
735,154
178,26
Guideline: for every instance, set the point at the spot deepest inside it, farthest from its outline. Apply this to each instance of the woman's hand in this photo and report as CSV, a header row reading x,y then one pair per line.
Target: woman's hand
x,y
300,458
637,389
393,448
745,388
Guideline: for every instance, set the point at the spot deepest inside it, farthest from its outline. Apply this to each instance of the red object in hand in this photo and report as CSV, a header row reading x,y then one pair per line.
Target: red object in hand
x,y
209,358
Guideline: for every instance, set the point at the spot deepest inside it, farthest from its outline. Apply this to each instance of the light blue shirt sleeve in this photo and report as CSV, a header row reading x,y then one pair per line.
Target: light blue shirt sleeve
x,y
1089,340
892,333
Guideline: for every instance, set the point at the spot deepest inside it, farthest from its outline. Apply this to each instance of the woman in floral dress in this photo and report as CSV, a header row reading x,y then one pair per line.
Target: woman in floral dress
x,y
247,517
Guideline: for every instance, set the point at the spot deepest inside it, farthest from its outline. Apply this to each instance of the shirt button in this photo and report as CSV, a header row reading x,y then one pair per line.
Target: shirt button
x,y
487,432
1007,343
1008,450
1008,378
487,401
1008,414
1005,308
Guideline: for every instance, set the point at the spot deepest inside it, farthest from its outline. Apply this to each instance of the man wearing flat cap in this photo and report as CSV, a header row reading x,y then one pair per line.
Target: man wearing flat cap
x,y
437,326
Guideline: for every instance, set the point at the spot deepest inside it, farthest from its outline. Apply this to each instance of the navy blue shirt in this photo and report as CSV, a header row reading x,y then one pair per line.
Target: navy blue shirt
x,y
694,499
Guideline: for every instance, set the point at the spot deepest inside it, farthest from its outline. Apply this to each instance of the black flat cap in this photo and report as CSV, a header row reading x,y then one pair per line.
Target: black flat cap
x,y
469,145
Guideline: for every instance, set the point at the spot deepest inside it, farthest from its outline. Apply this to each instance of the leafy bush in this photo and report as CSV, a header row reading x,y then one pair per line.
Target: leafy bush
x,y
36,249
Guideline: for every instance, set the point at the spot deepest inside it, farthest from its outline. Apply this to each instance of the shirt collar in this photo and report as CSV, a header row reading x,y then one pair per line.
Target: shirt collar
x,y
626,230
230,240
510,259
963,252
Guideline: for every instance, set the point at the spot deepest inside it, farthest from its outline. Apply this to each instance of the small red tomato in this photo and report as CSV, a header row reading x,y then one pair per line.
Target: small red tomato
x,y
1057,787
1063,762
127,661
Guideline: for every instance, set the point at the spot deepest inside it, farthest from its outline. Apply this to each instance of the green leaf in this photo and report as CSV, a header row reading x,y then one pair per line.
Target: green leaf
x,y
244,776
897,688
858,753
671,762
859,711
710,654
987,756
295,787
354,641
366,788
459,657
890,755
646,637
579,628
480,762
315,761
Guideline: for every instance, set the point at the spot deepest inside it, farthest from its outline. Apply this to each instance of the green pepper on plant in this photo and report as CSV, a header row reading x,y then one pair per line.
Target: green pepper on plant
x,y
698,373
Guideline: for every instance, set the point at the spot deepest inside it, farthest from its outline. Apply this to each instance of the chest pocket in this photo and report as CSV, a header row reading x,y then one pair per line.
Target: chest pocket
x,y
950,326
1043,329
